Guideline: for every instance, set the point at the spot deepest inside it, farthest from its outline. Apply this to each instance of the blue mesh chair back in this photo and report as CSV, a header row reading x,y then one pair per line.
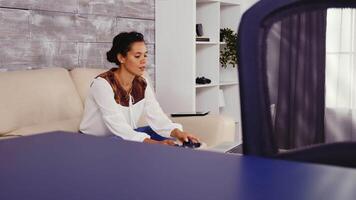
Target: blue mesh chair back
x,y
283,65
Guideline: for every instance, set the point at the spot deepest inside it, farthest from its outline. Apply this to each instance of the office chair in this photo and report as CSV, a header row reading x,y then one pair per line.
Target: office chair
x,y
282,68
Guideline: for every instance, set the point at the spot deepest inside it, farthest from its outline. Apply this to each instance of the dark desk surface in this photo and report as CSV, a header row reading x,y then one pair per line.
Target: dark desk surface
x,y
68,166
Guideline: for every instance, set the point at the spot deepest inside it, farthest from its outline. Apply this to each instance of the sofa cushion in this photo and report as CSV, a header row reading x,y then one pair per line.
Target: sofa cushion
x,y
33,97
82,78
71,125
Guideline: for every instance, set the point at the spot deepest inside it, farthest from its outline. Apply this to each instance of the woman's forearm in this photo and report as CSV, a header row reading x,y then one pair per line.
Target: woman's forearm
x,y
150,141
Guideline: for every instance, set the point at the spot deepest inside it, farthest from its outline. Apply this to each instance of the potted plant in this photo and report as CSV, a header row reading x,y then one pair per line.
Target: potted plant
x,y
228,53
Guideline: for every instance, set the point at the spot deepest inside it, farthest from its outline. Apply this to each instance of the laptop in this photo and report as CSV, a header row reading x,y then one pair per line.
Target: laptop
x,y
203,113
228,147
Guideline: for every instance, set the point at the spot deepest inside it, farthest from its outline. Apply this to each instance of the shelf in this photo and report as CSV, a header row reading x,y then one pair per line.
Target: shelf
x,y
207,99
230,2
207,14
229,83
223,2
205,85
196,58
207,62
208,43
207,1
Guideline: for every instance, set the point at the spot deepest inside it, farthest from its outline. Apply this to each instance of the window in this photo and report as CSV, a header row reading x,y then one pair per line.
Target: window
x,y
340,59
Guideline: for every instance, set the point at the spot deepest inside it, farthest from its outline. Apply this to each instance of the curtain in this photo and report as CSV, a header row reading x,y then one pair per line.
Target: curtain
x,y
340,112
299,82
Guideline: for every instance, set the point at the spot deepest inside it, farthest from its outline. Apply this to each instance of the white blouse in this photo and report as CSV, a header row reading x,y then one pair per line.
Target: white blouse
x,y
104,117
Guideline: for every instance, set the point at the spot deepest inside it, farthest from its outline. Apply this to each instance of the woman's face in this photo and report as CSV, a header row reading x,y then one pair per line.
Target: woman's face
x,y
136,59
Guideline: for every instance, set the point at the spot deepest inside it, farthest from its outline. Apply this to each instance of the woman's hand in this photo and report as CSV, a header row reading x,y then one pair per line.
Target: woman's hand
x,y
167,142
184,136
164,142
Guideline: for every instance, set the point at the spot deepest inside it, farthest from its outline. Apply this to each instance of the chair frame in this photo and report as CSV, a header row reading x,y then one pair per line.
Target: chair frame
x,y
255,103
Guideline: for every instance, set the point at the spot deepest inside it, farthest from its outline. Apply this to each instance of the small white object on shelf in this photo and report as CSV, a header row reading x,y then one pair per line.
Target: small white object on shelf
x,y
221,98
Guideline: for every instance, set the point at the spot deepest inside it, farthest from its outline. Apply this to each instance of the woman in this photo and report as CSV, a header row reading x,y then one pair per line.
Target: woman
x,y
118,97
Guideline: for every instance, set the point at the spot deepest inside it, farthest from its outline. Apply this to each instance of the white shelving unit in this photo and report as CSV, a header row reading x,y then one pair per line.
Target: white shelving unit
x,y
180,59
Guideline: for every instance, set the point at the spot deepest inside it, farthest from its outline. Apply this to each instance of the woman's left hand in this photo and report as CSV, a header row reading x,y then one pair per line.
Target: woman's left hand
x,y
184,136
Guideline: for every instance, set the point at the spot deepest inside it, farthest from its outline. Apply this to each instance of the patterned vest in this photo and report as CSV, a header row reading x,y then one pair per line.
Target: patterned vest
x,y
121,96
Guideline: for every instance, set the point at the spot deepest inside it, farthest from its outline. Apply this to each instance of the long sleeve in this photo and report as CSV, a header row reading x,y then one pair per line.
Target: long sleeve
x,y
155,117
112,116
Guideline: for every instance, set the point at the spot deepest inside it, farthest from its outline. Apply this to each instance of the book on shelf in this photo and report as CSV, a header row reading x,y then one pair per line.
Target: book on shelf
x,y
202,39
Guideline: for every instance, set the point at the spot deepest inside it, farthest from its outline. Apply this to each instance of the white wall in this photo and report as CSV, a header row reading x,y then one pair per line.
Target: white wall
x,y
246,4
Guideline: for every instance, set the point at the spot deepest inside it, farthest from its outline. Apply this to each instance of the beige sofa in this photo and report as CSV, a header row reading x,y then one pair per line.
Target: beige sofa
x,y
43,100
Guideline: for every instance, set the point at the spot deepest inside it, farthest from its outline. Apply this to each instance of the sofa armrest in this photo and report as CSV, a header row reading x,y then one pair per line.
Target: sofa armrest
x,y
211,129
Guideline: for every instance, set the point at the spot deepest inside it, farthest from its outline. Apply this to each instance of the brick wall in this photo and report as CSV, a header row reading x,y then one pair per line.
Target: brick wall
x,y
69,33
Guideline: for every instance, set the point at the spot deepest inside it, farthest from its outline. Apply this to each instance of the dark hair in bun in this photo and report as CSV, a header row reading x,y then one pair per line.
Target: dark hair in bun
x,y
121,44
